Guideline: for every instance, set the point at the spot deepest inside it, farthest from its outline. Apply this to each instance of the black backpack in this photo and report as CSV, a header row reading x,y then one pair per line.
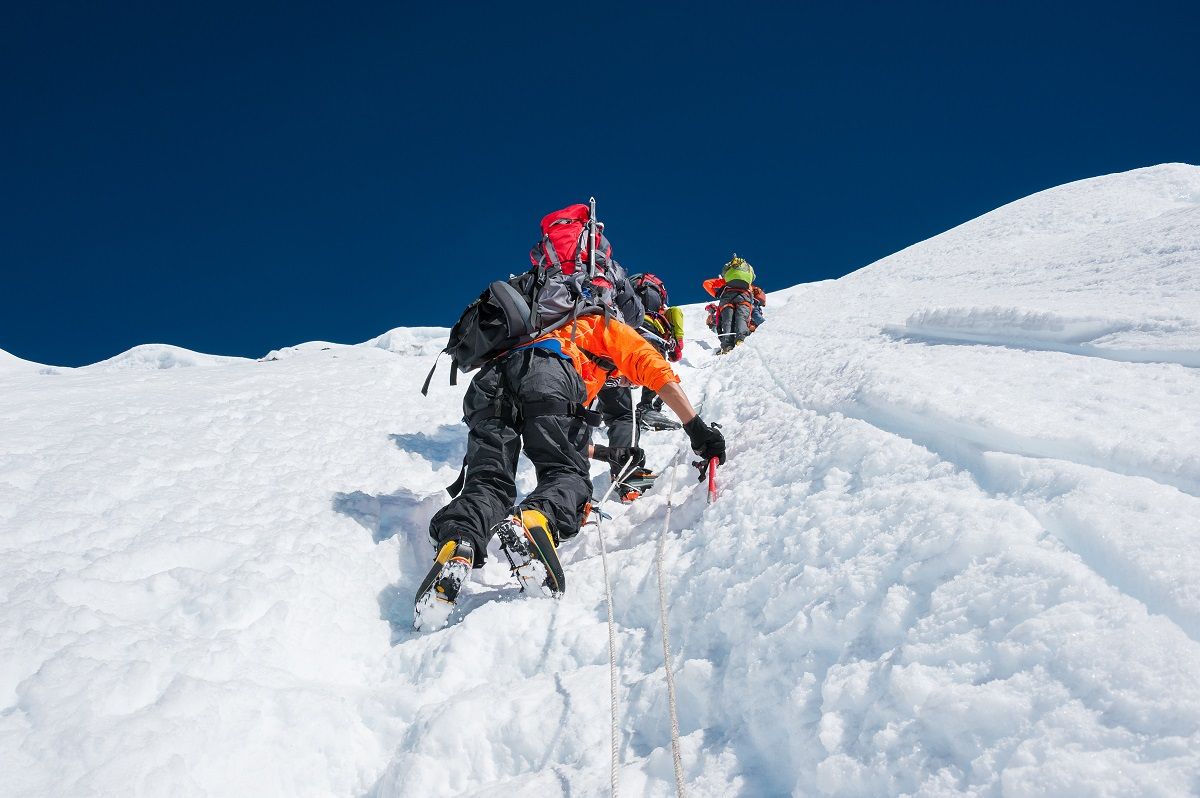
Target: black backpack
x,y
624,299
651,290
511,313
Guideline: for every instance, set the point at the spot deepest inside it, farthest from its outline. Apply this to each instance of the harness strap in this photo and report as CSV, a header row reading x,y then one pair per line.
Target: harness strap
x,y
558,407
515,416
499,408
603,363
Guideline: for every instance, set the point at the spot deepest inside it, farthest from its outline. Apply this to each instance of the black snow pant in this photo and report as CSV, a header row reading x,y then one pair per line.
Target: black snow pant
x,y
733,313
532,397
616,408
650,401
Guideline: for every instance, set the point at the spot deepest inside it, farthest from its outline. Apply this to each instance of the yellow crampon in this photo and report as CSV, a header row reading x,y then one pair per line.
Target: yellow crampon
x,y
543,547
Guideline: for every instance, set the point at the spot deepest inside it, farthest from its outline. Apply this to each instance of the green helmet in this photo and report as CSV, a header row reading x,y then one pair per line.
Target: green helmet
x,y
738,269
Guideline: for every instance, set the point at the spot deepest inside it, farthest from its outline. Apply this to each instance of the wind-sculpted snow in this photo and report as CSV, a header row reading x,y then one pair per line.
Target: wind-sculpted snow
x,y
1123,244
412,340
1136,340
152,357
401,341
937,566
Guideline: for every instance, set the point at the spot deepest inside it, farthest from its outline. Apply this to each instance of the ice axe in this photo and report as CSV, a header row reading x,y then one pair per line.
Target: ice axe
x,y
708,469
591,239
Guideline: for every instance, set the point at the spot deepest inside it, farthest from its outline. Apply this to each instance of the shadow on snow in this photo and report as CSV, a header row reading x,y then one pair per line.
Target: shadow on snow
x,y
386,516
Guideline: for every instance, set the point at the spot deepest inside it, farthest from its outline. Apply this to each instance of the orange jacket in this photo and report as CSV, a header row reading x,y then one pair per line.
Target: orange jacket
x,y
608,338
713,285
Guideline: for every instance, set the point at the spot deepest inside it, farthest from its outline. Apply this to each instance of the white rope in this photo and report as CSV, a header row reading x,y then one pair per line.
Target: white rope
x,y
676,757
612,633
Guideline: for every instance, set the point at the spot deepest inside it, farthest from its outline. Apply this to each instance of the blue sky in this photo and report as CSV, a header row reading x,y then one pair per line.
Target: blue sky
x,y
233,178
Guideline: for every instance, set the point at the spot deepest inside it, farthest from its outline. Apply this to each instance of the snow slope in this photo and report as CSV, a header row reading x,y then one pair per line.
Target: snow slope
x,y
955,551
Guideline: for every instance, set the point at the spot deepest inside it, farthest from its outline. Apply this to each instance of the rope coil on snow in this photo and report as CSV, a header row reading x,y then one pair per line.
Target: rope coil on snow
x,y
676,756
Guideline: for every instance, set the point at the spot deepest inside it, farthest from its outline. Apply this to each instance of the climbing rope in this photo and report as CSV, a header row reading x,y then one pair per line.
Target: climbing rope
x,y
676,757
612,631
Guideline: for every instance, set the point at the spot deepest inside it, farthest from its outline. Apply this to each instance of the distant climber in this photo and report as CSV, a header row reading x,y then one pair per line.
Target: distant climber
x,y
662,326
533,395
758,301
734,301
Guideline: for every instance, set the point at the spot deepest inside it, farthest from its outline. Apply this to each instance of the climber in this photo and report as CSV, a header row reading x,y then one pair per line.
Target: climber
x,y
734,301
534,396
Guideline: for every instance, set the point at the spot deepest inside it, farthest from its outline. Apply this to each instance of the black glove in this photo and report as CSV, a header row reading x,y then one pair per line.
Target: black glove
x,y
616,456
707,440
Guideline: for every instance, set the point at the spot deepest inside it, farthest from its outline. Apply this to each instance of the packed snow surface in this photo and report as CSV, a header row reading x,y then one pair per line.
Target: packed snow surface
x,y
954,553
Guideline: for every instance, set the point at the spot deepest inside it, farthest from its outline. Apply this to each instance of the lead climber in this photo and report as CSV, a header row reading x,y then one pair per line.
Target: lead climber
x,y
534,396
735,300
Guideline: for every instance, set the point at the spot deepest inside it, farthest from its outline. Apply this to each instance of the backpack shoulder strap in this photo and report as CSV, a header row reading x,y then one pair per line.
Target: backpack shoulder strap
x,y
433,368
603,363
429,376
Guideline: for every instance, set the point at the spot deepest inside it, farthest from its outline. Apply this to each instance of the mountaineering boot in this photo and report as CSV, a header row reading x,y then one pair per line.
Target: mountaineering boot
x,y
591,508
530,548
635,484
439,589
530,573
656,420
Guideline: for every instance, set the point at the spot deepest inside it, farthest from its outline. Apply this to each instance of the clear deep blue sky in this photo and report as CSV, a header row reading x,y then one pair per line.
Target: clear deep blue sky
x,y
233,178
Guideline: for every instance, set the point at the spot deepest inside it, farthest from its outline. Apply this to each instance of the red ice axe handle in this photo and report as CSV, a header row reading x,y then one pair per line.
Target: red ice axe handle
x,y
708,468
